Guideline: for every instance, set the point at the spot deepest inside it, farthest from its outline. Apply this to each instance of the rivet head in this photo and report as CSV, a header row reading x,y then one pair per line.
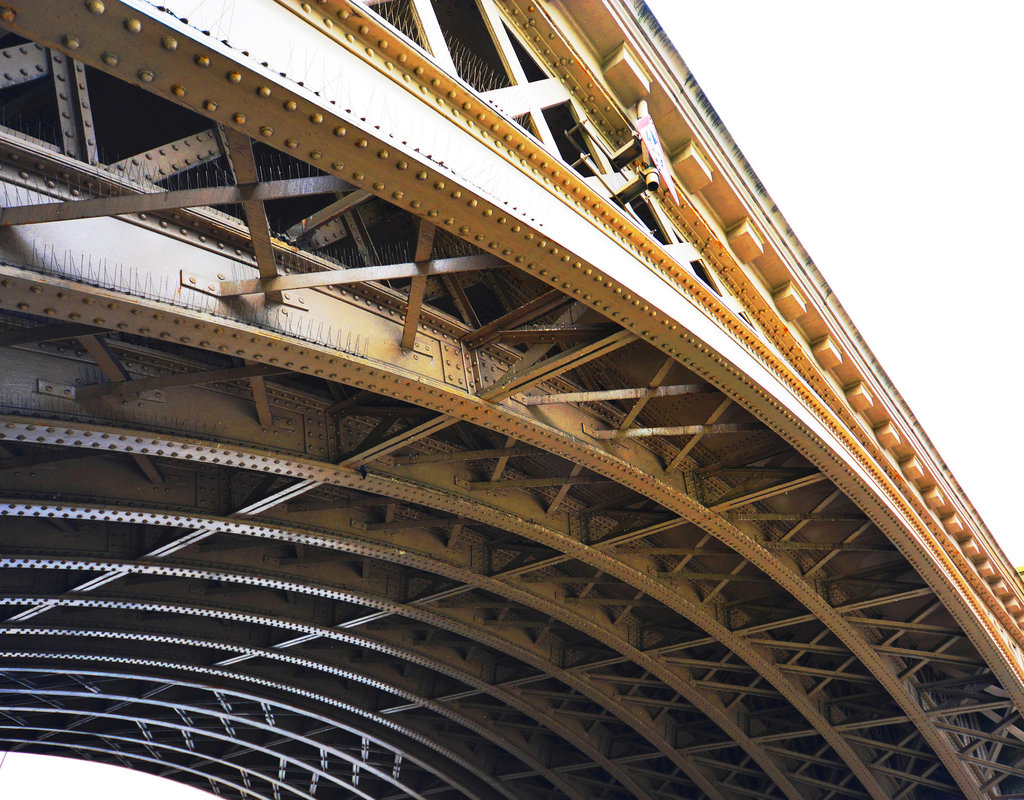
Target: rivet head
x,y
290,105
146,76
338,165
316,118
315,154
169,43
362,143
71,42
291,144
133,25
263,91
234,77
8,14
202,61
266,130
339,131
210,105
178,90
238,118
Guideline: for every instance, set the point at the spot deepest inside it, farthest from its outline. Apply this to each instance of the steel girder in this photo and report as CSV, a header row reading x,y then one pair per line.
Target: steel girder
x,y
46,510
509,195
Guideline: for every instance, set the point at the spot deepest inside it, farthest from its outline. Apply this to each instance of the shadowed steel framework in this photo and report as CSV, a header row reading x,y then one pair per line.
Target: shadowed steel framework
x,y
381,419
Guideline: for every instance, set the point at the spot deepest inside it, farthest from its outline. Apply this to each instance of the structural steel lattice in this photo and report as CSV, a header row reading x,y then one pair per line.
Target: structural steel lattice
x,y
370,428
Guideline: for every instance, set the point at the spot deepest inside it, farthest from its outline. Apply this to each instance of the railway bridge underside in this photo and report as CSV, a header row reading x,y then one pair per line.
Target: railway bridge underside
x,y
351,446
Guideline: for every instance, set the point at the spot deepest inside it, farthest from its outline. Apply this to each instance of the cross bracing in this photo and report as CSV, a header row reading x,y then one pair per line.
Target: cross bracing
x,y
361,440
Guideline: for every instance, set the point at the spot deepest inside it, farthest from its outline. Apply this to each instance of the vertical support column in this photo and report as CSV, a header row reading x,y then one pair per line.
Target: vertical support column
x,y
78,136
238,148
418,287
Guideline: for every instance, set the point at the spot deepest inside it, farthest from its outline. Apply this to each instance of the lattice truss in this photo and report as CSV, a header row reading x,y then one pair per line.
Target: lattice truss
x,y
309,492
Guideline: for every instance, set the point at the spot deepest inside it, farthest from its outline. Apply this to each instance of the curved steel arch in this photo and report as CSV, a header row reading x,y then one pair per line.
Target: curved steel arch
x,y
430,155
491,639
303,661
724,531
608,565
97,443
443,500
176,672
199,731
265,464
382,645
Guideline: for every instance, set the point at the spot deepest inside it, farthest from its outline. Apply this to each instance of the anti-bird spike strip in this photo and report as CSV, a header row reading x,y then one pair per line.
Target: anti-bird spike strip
x,y
374,425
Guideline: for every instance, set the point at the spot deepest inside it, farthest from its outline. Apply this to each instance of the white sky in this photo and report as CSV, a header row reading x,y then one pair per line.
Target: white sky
x,y
31,777
890,135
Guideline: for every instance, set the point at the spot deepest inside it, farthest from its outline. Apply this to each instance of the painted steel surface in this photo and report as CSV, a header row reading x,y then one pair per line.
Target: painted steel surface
x,y
420,465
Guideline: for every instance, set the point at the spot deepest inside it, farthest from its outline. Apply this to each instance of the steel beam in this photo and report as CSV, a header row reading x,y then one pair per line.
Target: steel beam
x,y
136,385
23,63
47,333
171,158
339,277
676,430
533,368
417,285
163,201
777,568
617,394
672,599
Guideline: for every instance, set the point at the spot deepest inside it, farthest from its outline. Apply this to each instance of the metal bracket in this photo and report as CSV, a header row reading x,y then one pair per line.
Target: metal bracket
x,y
422,348
68,391
453,366
54,389
191,280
